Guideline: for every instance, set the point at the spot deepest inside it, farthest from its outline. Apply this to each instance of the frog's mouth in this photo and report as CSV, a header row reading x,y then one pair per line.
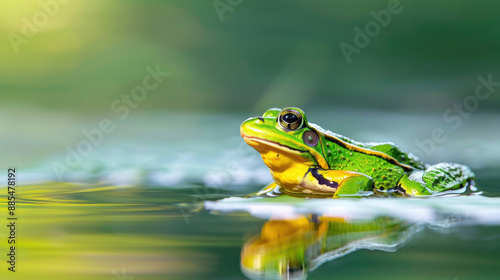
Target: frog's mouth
x,y
264,145
257,144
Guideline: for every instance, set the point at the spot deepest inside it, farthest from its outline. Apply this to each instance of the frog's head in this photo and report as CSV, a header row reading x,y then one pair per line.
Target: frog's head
x,y
285,139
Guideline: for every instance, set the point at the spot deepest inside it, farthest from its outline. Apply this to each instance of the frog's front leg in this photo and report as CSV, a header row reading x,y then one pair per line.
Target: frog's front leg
x,y
339,182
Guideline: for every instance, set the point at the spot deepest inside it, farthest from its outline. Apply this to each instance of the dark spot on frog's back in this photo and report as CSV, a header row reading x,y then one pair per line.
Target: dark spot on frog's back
x,y
322,180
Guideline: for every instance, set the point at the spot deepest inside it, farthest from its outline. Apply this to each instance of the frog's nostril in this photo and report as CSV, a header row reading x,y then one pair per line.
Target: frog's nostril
x,y
260,118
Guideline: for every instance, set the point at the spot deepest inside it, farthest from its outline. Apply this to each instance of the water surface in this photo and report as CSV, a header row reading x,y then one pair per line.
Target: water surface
x,y
149,203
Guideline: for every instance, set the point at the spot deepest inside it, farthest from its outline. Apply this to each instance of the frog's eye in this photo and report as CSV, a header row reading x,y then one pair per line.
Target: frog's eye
x,y
290,119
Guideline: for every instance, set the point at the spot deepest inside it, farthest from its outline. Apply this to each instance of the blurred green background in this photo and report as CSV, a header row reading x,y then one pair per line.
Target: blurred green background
x,y
261,54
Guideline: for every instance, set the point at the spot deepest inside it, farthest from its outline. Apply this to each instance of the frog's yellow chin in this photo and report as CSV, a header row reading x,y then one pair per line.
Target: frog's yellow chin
x,y
287,166
277,157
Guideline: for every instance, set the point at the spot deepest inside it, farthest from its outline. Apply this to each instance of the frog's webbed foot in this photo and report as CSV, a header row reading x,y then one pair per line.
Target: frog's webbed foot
x,y
269,188
435,179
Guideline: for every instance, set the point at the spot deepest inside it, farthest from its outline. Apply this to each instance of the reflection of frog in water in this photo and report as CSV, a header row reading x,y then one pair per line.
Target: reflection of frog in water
x,y
288,249
306,159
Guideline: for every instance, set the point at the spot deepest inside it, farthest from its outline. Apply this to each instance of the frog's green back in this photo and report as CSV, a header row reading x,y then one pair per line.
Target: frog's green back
x,y
396,152
388,148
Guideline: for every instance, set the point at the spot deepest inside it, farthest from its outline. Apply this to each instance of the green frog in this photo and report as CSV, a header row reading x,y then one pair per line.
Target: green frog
x,y
305,159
